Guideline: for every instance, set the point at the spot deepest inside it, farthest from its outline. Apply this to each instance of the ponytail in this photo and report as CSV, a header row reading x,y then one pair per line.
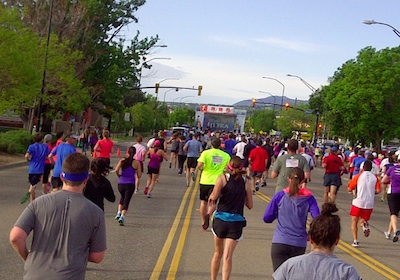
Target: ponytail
x,y
296,177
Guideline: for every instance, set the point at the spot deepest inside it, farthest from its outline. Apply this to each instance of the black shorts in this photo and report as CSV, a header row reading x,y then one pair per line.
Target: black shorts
x,y
191,162
34,178
257,174
56,182
332,179
47,168
224,229
268,163
151,170
393,200
205,191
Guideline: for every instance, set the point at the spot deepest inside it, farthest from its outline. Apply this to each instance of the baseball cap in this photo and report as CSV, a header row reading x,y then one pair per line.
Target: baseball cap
x,y
334,149
73,136
157,143
47,138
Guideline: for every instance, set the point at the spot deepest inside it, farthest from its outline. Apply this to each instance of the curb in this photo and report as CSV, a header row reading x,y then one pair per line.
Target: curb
x,y
13,165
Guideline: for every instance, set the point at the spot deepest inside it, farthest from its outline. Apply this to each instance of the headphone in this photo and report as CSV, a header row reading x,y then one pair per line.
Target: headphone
x,y
231,167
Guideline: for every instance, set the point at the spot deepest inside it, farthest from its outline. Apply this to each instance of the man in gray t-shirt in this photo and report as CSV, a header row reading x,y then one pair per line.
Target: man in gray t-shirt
x,y
68,229
193,148
285,163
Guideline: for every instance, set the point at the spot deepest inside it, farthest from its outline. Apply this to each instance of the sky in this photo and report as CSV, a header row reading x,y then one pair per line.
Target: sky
x,y
229,46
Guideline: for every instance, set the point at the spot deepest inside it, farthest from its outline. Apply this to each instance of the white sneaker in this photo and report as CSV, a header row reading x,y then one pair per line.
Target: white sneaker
x,y
355,243
387,235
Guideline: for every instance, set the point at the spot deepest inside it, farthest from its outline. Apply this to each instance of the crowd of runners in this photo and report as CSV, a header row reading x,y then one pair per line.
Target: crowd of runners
x,y
231,168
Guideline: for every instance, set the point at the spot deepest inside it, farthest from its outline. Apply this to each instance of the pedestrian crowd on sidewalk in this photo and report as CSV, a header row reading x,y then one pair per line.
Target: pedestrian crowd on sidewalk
x,y
230,168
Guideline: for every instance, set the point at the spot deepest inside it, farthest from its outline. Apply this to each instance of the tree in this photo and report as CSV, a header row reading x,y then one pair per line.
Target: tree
x,y
263,120
22,55
295,119
361,98
181,116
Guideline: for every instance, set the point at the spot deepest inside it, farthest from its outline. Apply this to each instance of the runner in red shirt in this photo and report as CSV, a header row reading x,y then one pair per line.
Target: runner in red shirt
x,y
333,166
105,147
258,159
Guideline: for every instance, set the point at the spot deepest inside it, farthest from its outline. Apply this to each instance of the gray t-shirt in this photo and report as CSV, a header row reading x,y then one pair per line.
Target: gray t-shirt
x,y
66,227
316,265
284,165
194,148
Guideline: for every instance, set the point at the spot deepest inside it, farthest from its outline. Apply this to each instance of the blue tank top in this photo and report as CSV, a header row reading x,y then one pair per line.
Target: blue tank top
x,y
127,176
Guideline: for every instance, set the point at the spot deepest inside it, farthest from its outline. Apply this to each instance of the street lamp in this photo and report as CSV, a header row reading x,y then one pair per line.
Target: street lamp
x,y
167,79
145,63
260,91
369,22
313,89
176,89
283,91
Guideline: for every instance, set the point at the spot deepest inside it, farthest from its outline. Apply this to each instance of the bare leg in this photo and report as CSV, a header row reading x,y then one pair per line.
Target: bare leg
x,y
333,193
326,192
153,182
229,248
203,210
216,260
32,191
354,226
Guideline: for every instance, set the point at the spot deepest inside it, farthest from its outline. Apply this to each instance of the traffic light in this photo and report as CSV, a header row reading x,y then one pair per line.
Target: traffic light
x,y
320,126
200,88
157,86
253,101
287,105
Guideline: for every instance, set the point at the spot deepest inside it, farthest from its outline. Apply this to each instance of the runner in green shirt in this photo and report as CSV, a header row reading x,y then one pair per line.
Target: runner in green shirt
x,y
211,164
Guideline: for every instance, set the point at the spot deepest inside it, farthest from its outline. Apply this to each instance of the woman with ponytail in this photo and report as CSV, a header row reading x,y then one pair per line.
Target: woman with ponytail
x,y
126,170
230,194
290,207
321,263
155,154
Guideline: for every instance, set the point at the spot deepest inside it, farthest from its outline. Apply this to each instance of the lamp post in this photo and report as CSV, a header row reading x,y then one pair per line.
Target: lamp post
x,y
145,63
167,79
369,22
176,89
283,86
260,91
313,89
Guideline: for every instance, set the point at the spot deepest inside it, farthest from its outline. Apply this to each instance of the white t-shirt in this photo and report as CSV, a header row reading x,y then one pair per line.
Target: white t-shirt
x,y
366,185
239,148
375,168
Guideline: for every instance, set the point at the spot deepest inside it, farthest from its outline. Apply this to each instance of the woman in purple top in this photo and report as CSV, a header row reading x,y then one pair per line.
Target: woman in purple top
x,y
126,170
392,178
290,207
155,155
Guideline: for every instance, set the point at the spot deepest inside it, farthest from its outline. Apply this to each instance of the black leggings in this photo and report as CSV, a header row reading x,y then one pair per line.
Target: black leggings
x,y
126,191
281,252
181,161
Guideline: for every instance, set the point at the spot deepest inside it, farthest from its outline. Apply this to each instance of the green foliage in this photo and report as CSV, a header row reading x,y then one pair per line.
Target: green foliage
x,y
15,141
362,97
295,119
181,115
263,120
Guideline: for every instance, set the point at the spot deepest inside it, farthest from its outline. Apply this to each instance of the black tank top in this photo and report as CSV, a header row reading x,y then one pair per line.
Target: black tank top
x,y
232,196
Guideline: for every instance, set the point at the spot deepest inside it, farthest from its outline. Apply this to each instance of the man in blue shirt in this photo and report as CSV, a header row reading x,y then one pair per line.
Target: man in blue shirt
x,y
62,151
193,148
230,144
36,155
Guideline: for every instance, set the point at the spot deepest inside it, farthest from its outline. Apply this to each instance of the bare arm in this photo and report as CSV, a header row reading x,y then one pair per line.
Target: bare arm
x,y
249,196
18,241
96,257
118,168
136,165
274,174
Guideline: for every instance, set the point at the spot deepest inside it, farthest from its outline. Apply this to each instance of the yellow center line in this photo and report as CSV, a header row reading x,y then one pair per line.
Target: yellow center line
x,y
155,275
173,269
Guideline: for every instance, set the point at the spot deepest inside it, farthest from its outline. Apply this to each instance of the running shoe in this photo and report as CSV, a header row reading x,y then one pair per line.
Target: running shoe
x,y
148,195
146,189
396,236
170,165
263,184
254,192
366,229
387,235
121,221
355,243
257,187
136,191
193,176
25,197
117,216
206,222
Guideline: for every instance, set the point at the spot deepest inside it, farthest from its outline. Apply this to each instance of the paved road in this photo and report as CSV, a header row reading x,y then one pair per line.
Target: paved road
x,y
163,239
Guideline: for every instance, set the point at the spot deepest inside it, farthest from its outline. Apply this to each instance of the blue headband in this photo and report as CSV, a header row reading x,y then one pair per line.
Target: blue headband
x,y
75,177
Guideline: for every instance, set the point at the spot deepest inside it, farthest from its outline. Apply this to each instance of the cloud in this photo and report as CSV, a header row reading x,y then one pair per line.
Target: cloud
x,y
291,45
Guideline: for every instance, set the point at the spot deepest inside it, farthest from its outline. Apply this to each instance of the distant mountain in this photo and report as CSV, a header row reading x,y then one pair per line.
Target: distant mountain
x,y
269,101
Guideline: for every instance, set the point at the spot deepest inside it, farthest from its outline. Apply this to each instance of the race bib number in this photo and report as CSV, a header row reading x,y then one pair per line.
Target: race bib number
x,y
292,162
216,160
